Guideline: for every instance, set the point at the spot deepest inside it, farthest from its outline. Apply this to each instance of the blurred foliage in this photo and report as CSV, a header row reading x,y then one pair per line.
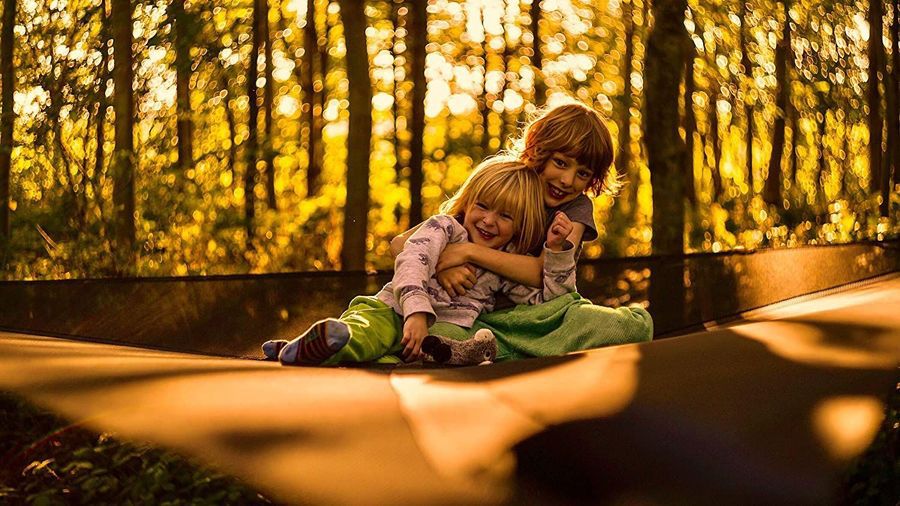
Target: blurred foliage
x,y
47,462
478,64
874,478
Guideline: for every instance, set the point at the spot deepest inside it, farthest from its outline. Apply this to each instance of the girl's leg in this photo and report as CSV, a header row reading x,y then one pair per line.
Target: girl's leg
x,y
368,330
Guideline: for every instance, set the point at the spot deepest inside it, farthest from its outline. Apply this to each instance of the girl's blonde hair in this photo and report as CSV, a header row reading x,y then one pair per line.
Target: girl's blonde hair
x,y
574,130
509,185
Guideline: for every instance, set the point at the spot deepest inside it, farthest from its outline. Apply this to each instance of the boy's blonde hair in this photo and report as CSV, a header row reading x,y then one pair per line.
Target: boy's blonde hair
x,y
507,184
574,130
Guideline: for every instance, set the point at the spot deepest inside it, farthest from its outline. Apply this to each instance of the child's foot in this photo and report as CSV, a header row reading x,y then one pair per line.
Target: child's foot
x,y
482,347
316,345
272,348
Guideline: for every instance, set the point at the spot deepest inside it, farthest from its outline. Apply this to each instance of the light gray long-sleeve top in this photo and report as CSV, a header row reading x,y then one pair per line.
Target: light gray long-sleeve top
x,y
414,287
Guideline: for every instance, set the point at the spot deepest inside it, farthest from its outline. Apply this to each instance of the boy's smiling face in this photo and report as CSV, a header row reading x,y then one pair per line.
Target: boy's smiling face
x,y
563,179
488,226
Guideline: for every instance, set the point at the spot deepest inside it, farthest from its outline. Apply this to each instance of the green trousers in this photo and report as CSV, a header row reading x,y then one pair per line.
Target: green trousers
x,y
562,325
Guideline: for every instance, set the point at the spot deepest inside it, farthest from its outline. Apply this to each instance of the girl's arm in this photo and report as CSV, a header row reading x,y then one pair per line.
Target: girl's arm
x,y
523,269
456,280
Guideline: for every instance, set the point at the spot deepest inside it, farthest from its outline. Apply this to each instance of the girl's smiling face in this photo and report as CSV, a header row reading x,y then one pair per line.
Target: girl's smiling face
x,y
488,225
563,179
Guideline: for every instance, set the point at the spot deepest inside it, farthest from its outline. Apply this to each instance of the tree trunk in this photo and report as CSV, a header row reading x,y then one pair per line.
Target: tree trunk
x,y
252,150
320,96
353,253
418,38
665,62
666,55
748,85
876,70
101,104
822,125
7,116
772,191
794,116
183,64
714,140
395,109
307,71
507,54
268,104
485,100
623,158
232,130
690,123
123,156
893,117
540,87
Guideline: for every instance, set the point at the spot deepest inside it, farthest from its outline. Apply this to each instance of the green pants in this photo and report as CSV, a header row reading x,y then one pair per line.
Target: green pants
x,y
563,325
376,331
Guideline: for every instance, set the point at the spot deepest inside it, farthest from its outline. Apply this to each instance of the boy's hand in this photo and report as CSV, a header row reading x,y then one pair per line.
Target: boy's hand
x,y
415,328
457,280
453,255
559,229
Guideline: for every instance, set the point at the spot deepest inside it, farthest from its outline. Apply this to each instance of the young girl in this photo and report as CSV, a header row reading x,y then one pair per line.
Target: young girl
x,y
497,208
570,148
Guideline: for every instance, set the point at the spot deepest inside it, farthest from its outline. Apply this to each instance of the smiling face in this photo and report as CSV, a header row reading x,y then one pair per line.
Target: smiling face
x,y
488,225
563,179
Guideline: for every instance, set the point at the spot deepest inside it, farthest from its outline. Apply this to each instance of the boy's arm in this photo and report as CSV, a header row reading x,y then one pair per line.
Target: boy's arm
x,y
558,269
523,269
398,241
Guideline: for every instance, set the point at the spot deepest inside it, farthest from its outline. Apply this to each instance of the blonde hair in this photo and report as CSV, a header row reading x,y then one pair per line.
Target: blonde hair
x,y
575,130
509,185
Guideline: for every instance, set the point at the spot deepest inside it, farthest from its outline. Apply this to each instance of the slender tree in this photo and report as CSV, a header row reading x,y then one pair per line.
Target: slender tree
x,y
623,157
715,95
251,153
666,55
353,252
540,87
232,127
772,190
183,28
320,94
101,105
690,123
307,77
748,79
268,104
876,71
7,116
418,38
894,111
123,156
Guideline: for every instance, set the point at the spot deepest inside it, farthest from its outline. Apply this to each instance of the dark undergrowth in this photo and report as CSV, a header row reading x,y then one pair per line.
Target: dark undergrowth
x,y
874,478
45,460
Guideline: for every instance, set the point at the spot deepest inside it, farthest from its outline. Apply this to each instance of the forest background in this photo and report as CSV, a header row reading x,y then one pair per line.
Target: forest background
x,y
170,137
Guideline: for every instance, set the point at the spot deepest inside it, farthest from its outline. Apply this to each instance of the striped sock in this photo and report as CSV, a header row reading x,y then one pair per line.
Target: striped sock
x,y
316,345
272,348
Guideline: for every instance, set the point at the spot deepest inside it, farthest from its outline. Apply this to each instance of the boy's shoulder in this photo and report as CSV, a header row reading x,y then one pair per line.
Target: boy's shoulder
x,y
581,210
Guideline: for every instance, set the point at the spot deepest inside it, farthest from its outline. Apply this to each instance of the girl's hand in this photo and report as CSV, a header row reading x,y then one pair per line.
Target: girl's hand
x,y
558,231
457,280
453,255
414,331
